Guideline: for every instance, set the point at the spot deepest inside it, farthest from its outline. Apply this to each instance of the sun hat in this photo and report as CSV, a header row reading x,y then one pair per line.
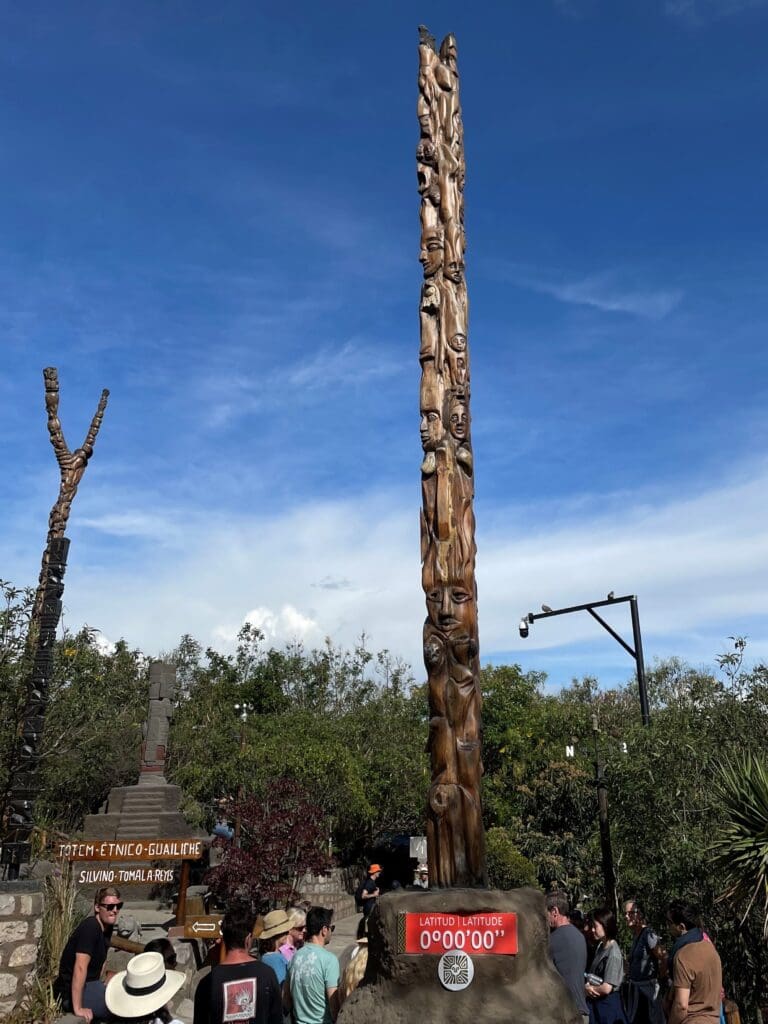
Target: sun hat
x,y
143,987
276,922
374,867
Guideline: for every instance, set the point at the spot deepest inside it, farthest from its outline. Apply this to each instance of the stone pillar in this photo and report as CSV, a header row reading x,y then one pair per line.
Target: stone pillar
x,y
162,689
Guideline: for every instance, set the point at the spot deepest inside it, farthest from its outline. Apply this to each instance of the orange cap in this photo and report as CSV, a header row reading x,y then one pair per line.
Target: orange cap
x,y
374,867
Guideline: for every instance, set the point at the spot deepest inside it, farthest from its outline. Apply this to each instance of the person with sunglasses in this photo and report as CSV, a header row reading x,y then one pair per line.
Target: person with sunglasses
x,y
313,973
79,984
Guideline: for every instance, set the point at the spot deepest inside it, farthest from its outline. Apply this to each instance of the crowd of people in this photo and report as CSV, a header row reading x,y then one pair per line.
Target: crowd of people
x,y
277,969
654,983
270,970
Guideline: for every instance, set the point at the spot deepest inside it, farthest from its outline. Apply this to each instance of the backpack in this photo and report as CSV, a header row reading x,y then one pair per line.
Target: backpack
x,y
359,898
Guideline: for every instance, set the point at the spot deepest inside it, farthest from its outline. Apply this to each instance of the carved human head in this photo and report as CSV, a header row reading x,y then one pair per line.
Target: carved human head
x,y
458,420
431,256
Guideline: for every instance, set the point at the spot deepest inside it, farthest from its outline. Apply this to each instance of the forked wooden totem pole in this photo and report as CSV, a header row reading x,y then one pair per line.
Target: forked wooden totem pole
x,y
46,612
455,838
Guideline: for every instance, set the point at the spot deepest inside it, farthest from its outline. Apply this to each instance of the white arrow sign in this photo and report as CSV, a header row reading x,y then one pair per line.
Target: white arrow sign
x,y
205,926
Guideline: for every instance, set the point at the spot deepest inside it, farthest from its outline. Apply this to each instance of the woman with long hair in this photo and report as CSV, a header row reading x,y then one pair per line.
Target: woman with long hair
x,y
606,972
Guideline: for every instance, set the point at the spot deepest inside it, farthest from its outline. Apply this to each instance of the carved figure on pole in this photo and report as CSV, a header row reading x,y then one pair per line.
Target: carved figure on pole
x,y
46,612
456,844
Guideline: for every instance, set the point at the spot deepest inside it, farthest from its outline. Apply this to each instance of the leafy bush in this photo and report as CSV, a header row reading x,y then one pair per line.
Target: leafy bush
x,y
507,867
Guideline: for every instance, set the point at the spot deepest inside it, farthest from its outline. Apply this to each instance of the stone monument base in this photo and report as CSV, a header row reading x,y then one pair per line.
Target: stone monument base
x,y
404,988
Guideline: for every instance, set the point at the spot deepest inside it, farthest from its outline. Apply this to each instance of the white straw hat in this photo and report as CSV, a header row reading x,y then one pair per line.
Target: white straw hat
x,y
143,987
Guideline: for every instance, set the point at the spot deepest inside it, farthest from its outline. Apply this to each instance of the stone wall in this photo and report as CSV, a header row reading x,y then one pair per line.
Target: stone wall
x,y
333,890
21,925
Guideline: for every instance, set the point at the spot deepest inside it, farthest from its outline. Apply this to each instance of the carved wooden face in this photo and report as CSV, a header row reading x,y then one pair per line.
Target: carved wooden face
x,y
458,422
458,342
451,609
431,429
425,153
430,298
454,270
431,256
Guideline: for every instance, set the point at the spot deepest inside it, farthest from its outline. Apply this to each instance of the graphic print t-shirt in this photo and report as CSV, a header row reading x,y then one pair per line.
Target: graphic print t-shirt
x,y
246,993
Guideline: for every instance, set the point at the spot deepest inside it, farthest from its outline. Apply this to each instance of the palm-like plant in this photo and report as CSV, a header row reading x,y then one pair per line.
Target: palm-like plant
x,y
741,847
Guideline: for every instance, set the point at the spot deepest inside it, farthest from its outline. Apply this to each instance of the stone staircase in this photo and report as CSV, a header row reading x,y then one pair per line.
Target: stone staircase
x,y
144,811
141,811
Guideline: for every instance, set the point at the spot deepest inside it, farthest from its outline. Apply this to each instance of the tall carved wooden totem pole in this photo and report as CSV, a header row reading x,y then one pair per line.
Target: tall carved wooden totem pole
x,y
455,838
44,620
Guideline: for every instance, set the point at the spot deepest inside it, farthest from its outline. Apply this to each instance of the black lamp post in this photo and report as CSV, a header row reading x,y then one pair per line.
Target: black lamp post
x,y
636,652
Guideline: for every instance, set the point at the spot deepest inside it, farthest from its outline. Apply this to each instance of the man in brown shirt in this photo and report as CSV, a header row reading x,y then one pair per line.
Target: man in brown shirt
x,y
695,968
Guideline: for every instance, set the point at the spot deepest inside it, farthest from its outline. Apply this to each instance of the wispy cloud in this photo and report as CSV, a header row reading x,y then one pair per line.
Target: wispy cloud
x,y
701,12
334,583
353,363
131,524
607,291
575,9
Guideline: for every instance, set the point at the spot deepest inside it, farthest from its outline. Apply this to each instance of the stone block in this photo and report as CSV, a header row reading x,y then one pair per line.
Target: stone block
x,y
184,1010
7,904
183,953
6,1005
37,928
13,931
406,988
23,955
32,904
8,983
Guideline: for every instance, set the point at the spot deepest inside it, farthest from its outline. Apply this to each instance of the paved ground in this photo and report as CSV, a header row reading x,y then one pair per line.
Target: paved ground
x,y
345,933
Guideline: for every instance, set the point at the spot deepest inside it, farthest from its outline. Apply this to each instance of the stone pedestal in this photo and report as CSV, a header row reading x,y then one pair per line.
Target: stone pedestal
x,y
404,988
136,812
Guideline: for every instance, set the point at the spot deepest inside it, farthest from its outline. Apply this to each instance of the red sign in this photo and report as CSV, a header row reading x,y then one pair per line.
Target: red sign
x,y
486,932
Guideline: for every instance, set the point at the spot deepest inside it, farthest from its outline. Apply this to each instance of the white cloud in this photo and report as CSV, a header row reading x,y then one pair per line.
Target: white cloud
x,y
286,624
698,563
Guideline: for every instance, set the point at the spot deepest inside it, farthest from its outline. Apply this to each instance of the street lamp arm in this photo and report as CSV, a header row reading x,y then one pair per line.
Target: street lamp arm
x,y
579,608
614,634
635,653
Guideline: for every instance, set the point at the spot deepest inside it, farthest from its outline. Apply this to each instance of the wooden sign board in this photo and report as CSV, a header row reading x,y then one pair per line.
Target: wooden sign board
x,y
476,934
206,926
131,849
125,876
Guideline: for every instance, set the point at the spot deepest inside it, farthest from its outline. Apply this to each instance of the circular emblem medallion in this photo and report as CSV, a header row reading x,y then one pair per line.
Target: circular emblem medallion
x,y
455,971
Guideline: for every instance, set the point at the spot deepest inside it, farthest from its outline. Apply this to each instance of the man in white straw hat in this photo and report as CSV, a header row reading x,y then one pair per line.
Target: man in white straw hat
x,y
142,990
239,988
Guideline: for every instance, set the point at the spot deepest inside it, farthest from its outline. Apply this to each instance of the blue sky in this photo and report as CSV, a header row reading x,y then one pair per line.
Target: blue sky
x,y
212,210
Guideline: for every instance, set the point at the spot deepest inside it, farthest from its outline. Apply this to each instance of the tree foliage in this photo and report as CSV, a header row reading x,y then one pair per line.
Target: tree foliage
x,y
349,727
281,839
97,704
344,724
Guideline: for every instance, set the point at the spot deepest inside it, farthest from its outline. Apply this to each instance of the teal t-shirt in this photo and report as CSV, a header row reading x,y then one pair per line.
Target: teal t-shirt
x,y
312,970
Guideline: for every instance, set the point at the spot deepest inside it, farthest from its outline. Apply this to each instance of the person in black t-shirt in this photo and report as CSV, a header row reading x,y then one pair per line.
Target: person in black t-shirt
x,y
78,983
239,988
